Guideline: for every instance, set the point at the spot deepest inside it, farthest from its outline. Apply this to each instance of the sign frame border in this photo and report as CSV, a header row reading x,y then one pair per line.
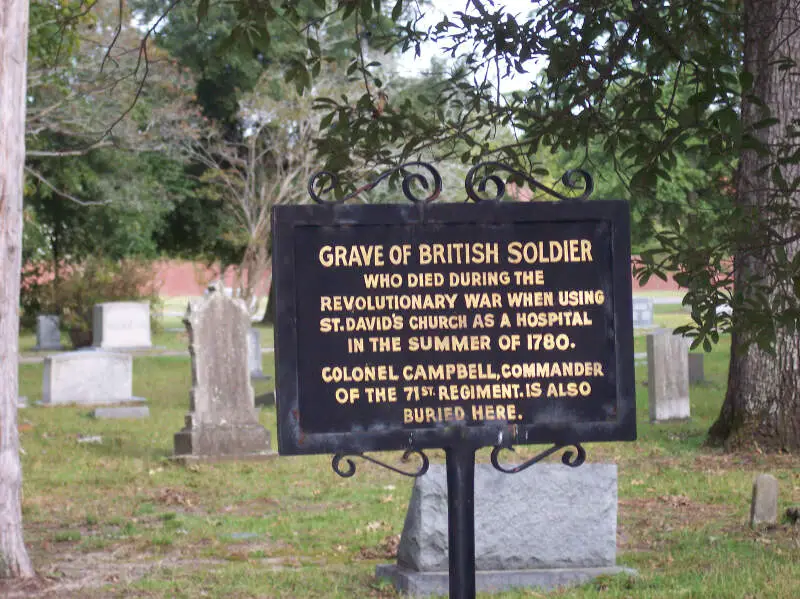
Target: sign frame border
x,y
292,440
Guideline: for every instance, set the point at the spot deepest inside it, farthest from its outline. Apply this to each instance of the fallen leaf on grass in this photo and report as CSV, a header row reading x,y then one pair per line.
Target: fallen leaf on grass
x,y
170,496
386,550
675,500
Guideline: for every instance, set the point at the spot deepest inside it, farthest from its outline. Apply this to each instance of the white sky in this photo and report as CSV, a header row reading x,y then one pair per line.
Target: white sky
x,y
410,65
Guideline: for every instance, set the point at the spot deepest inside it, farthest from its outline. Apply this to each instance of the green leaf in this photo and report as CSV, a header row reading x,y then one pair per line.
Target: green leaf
x,y
202,10
397,10
778,180
327,120
746,81
366,9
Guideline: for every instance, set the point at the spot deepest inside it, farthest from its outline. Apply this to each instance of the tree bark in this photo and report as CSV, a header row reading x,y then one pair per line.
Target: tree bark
x,y
762,404
14,561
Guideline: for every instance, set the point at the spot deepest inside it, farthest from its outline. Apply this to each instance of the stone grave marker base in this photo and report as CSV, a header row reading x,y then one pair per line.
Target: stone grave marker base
x,y
215,443
122,412
424,584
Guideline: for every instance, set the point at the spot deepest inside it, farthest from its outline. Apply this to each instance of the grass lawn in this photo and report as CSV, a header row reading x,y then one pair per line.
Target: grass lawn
x,y
117,518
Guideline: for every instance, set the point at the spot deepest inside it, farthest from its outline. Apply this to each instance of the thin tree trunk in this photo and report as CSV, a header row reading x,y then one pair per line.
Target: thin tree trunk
x,y
762,404
14,561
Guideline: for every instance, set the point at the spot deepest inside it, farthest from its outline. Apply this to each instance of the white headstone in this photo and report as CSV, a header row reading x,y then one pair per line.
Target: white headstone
x,y
642,312
121,325
254,353
696,369
88,377
48,334
667,377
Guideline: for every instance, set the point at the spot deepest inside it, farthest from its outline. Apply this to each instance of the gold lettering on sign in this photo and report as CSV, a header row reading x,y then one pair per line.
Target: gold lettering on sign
x,y
357,255
458,253
460,331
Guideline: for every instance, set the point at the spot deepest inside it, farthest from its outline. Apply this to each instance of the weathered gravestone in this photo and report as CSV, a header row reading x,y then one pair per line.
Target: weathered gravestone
x,y
88,377
544,527
254,354
696,369
642,312
667,377
48,333
223,422
764,505
121,325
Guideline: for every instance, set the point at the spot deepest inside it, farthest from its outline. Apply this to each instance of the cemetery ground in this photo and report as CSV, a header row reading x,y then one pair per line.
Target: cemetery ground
x,y
108,514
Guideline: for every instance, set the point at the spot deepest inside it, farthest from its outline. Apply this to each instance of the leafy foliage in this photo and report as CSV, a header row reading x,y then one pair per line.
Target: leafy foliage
x,y
655,88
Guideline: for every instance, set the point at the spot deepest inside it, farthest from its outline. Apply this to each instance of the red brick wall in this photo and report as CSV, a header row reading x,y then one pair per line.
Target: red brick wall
x,y
177,278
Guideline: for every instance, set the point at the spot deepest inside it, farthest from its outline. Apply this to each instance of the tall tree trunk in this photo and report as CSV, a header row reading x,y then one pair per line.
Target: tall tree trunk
x,y
762,404
14,559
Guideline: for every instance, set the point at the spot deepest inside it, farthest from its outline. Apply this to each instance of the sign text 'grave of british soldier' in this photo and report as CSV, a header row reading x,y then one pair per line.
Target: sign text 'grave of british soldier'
x,y
409,326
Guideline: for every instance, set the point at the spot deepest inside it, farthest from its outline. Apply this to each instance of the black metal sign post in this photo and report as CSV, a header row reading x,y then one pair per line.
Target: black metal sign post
x,y
461,519
455,326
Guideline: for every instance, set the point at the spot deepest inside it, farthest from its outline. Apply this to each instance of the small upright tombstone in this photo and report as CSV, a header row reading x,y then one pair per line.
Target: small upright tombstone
x,y
764,505
48,333
121,325
222,423
642,312
254,354
667,377
696,370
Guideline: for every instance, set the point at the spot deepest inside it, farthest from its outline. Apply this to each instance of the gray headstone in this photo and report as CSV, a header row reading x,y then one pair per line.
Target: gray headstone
x,y
549,516
88,377
121,325
48,333
696,369
642,312
254,353
131,412
764,506
542,527
223,421
667,377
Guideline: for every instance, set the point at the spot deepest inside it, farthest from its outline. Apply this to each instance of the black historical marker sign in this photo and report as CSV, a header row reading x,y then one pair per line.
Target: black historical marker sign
x,y
424,325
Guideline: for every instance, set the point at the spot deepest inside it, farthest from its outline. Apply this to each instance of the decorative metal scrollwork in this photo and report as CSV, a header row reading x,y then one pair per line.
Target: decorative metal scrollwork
x,y
568,458
571,179
350,470
431,181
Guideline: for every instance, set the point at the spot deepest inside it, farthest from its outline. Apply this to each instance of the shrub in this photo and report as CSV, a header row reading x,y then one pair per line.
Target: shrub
x,y
79,287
